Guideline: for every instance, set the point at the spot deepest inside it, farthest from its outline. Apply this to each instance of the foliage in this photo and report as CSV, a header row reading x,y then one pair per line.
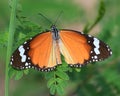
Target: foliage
x,y
57,80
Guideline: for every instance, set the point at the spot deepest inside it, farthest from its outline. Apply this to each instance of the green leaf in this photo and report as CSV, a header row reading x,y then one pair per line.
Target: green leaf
x,y
3,39
53,89
51,82
12,72
49,75
78,69
63,84
26,71
60,89
19,75
62,68
62,75
70,69
59,80
16,73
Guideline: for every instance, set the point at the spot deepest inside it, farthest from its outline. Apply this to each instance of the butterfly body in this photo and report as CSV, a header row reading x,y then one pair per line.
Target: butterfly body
x,y
43,51
55,32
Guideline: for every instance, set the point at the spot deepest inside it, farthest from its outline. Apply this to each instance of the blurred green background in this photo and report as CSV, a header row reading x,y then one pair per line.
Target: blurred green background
x,y
99,79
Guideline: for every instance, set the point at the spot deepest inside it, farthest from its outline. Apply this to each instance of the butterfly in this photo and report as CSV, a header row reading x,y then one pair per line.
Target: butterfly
x,y
43,51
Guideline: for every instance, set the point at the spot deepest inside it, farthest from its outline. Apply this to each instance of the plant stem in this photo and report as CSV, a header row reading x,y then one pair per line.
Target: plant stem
x,y
10,42
101,13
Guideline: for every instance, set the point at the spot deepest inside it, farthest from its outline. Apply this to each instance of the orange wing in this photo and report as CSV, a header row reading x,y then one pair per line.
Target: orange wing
x,y
74,47
42,51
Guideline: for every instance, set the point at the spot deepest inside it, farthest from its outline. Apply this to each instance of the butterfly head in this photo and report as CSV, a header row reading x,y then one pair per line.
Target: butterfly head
x,y
55,32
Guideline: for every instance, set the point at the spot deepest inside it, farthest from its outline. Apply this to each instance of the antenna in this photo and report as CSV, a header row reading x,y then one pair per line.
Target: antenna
x,y
58,17
49,20
45,18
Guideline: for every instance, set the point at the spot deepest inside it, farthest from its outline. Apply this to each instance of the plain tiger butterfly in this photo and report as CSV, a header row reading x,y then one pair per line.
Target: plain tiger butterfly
x,y
43,51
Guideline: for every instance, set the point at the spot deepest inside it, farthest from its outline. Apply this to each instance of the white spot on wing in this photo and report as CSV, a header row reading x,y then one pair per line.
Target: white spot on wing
x,y
29,63
12,59
96,51
81,32
91,52
110,52
89,36
22,51
80,65
88,41
97,46
29,66
95,57
25,42
48,69
26,64
11,63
